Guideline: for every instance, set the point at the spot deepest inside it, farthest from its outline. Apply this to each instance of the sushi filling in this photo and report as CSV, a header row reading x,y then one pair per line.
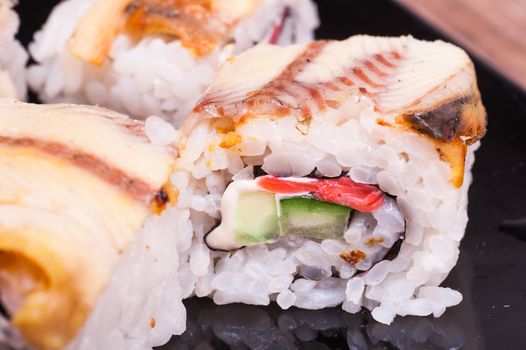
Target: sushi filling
x,y
263,210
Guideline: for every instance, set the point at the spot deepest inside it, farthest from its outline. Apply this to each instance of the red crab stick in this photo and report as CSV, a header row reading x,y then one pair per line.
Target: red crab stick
x,y
343,191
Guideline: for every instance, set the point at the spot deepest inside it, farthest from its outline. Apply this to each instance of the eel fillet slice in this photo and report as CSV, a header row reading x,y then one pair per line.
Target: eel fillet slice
x,y
425,87
200,25
76,184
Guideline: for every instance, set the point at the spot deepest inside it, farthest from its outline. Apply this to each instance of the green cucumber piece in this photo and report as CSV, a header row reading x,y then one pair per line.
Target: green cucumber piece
x,y
306,216
256,218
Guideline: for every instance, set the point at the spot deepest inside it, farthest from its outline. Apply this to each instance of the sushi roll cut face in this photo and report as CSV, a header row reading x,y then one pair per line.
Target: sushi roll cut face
x,y
73,196
352,156
306,85
263,210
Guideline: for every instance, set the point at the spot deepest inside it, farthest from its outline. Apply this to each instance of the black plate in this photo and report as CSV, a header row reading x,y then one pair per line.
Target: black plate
x,y
490,273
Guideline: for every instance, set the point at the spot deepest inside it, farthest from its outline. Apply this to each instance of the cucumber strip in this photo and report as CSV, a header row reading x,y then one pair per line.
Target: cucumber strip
x,y
306,216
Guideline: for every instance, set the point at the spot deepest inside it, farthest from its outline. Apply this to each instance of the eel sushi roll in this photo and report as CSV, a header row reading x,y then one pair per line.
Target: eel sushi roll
x,y
333,172
13,57
153,57
85,223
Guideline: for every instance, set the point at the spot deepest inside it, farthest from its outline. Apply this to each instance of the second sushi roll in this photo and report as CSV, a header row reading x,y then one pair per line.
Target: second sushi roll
x,y
151,57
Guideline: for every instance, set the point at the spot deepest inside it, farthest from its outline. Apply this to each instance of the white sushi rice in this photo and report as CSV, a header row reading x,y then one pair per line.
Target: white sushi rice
x,y
153,76
142,305
308,273
13,57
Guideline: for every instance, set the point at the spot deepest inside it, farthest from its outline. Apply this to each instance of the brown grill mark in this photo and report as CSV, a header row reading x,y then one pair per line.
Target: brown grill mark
x,y
364,91
441,123
297,66
285,82
449,120
317,97
353,257
134,187
396,55
345,81
363,77
370,65
332,86
380,58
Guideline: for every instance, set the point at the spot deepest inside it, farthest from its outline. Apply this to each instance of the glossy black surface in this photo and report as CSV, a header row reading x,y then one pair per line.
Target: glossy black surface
x,y
491,270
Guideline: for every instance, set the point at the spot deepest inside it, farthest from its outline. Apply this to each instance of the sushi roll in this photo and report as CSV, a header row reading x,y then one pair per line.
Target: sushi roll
x,y
13,56
82,190
333,172
152,57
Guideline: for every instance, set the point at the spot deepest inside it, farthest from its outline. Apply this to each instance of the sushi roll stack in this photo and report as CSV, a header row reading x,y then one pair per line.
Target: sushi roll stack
x,y
13,56
151,57
317,174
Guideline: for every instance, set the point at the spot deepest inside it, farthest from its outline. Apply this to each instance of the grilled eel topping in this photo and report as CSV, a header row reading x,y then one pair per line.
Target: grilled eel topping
x,y
200,25
425,87
76,184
